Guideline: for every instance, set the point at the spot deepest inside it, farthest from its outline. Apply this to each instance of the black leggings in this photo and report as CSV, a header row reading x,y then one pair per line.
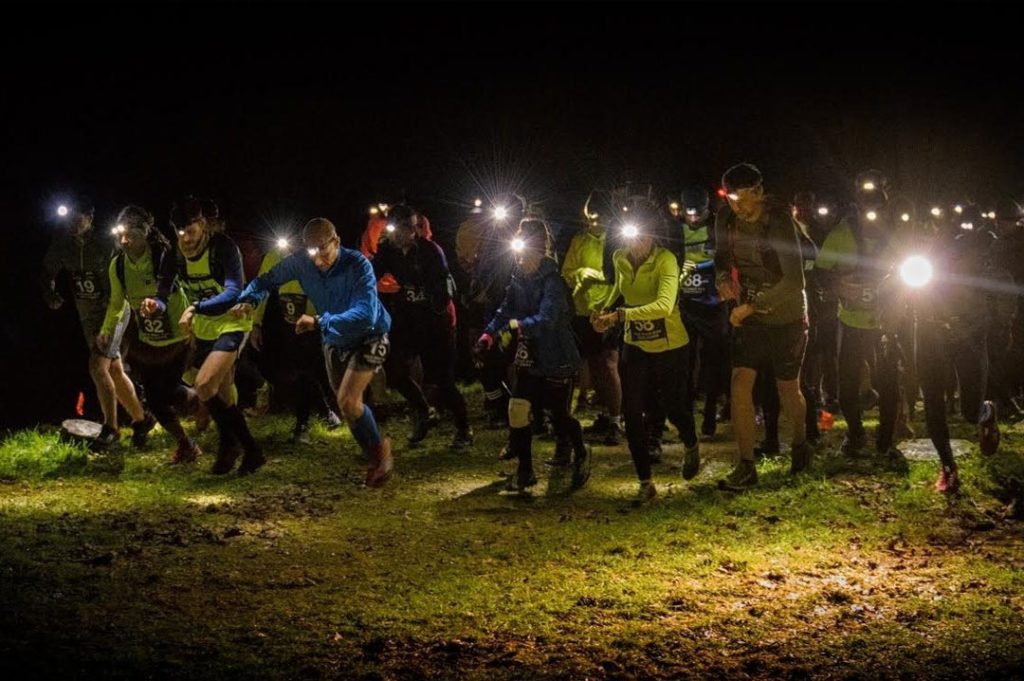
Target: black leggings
x,y
857,346
161,379
436,350
649,379
708,357
937,353
306,358
556,395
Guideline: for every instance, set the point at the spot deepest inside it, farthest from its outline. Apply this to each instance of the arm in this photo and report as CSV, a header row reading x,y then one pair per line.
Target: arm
x,y
278,275
668,291
783,234
115,306
231,260
361,309
554,305
502,315
52,265
269,260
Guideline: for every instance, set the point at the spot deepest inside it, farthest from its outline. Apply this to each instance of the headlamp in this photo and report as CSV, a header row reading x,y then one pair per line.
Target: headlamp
x,y
916,271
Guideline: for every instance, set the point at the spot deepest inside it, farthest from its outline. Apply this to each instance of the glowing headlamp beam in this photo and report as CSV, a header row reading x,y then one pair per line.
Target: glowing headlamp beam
x,y
916,271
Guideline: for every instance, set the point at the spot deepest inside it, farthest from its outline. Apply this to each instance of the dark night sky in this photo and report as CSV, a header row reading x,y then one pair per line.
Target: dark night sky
x,y
282,113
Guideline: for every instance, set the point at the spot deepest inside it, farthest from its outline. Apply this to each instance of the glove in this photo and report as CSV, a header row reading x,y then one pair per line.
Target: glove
x,y
482,345
388,284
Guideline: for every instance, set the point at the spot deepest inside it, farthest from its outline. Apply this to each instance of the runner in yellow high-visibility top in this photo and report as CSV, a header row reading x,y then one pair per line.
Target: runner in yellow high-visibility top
x,y
303,354
855,257
583,271
85,255
143,274
758,243
653,364
210,270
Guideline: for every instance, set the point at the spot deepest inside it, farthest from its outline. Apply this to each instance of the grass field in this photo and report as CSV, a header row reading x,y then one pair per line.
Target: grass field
x,y
122,566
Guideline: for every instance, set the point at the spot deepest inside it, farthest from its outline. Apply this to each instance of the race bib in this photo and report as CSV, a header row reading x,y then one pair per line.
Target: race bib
x,y
376,351
86,285
858,294
414,294
293,306
695,285
647,330
524,354
154,328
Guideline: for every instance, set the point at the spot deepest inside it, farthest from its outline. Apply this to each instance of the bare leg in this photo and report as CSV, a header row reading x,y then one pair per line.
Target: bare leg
x,y
743,411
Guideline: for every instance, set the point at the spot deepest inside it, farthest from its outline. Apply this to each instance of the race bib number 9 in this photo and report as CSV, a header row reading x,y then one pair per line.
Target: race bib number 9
x,y
647,330
293,306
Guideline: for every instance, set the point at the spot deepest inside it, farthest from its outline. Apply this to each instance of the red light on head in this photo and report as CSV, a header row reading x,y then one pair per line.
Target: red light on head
x,y
721,192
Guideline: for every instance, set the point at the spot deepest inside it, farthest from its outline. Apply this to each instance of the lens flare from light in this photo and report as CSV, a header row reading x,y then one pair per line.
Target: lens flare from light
x,y
374,210
733,196
871,215
282,243
312,252
477,203
823,210
691,211
868,186
62,211
916,271
630,231
936,211
518,245
674,205
501,212
967,226
958,209
905,217
390,227
118,230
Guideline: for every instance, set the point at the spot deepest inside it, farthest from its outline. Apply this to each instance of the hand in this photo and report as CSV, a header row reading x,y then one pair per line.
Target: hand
x,y
305,324
603,321
505,337
185,323
241,310
484,342
55,302
149,307
103,341
739,313
256,337
388,284
588,275
728,290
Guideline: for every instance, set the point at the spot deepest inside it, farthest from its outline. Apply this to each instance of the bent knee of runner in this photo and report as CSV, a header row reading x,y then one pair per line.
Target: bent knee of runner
x,y
351,406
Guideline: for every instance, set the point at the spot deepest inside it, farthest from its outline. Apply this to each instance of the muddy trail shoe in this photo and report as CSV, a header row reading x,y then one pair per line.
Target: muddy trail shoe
x,y
141,430
948,482
251,462
381,464
613,435
106,440
894,460
742,477
800,457
187,452
463,439
300,436
691,462
646,494
581,469
988,428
